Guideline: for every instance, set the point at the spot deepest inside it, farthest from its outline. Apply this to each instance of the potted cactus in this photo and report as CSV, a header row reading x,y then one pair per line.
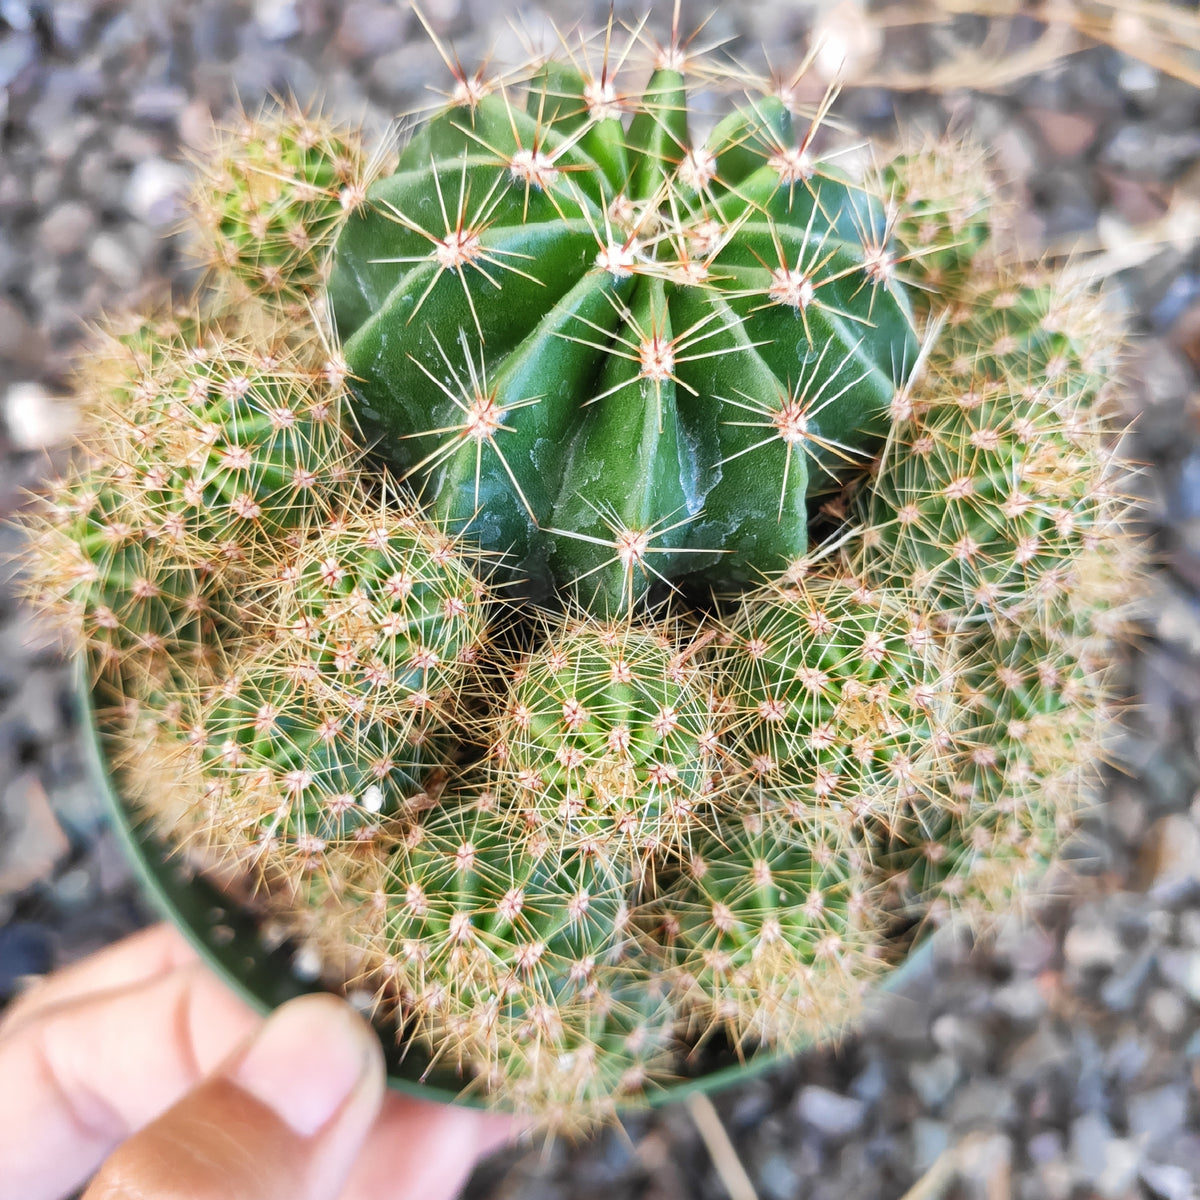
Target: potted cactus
x,y
595,589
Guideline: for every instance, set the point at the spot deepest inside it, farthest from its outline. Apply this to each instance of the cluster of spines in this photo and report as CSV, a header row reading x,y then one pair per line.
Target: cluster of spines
x,y
683,280
605,742
1002,498
840,693
381,610
270,199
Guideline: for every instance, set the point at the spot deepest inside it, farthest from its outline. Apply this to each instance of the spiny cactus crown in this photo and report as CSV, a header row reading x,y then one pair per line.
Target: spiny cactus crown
x,y
613,351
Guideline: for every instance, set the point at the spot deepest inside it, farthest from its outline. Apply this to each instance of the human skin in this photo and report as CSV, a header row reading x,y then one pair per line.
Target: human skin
x,y
138,1069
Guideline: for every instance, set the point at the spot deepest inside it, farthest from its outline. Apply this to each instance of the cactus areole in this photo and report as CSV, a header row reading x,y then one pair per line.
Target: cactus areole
x,y
610,353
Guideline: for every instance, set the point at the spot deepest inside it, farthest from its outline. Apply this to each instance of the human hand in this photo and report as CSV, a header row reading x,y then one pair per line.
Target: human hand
x,y
141,1060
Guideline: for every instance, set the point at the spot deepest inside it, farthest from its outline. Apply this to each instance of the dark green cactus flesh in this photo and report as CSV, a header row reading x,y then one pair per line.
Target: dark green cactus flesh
x,y
614,354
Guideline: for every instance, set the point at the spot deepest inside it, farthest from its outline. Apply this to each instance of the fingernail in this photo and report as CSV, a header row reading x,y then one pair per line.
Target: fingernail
x,y
306,1060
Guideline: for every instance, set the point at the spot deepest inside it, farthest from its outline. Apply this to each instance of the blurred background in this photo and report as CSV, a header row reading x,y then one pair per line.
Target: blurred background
x,y
1058,1061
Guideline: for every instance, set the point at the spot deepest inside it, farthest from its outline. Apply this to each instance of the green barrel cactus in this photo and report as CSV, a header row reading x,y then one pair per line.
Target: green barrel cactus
x,y
366,546
611,352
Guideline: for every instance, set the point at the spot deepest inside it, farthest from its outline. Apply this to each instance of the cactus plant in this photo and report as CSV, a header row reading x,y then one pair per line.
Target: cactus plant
x,y
611,351
564,844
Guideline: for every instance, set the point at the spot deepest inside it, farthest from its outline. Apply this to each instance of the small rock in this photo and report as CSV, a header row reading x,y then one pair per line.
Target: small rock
x,y
159,102
830,1113
1066,133
1171,849
370,29
777,1178
277,19
1045,1147
983,1101
1121,989
1168,1182
1141,149
1139,79
33,841
929,1140
19,340
961,1037
17,51
34,419
870,1084
1092,946
70,19
1167,1010
1157,1114
25,949
1181,969
109,254
1127,1057
1122,1158
66,228
1181,293
1021,1000
1042,1053
753,1102
17,14
985,1166
154,191
1090,1137
934,1079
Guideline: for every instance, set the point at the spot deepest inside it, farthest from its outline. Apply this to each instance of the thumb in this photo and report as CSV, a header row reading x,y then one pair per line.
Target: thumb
x,y
282,1119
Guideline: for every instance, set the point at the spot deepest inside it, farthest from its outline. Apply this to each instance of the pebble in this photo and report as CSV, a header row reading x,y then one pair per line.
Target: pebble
x,y
1120,991
1092,946
830,1113
31,840
1022,1000
777,1178
1157,1114
26,949
1181,968
1169,1182
1140,151
66,228
34,419
18,52
277,19
934,1079
155,190
1167,1010
930,1139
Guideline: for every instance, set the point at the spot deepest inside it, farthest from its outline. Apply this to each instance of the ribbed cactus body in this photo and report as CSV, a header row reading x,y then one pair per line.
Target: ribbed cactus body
x,y
271,199
609,351
839,697
769,929
570,845
382,611
606,744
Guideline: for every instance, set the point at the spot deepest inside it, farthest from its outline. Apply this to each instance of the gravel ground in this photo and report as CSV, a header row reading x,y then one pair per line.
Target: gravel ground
x,y
1062,1060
